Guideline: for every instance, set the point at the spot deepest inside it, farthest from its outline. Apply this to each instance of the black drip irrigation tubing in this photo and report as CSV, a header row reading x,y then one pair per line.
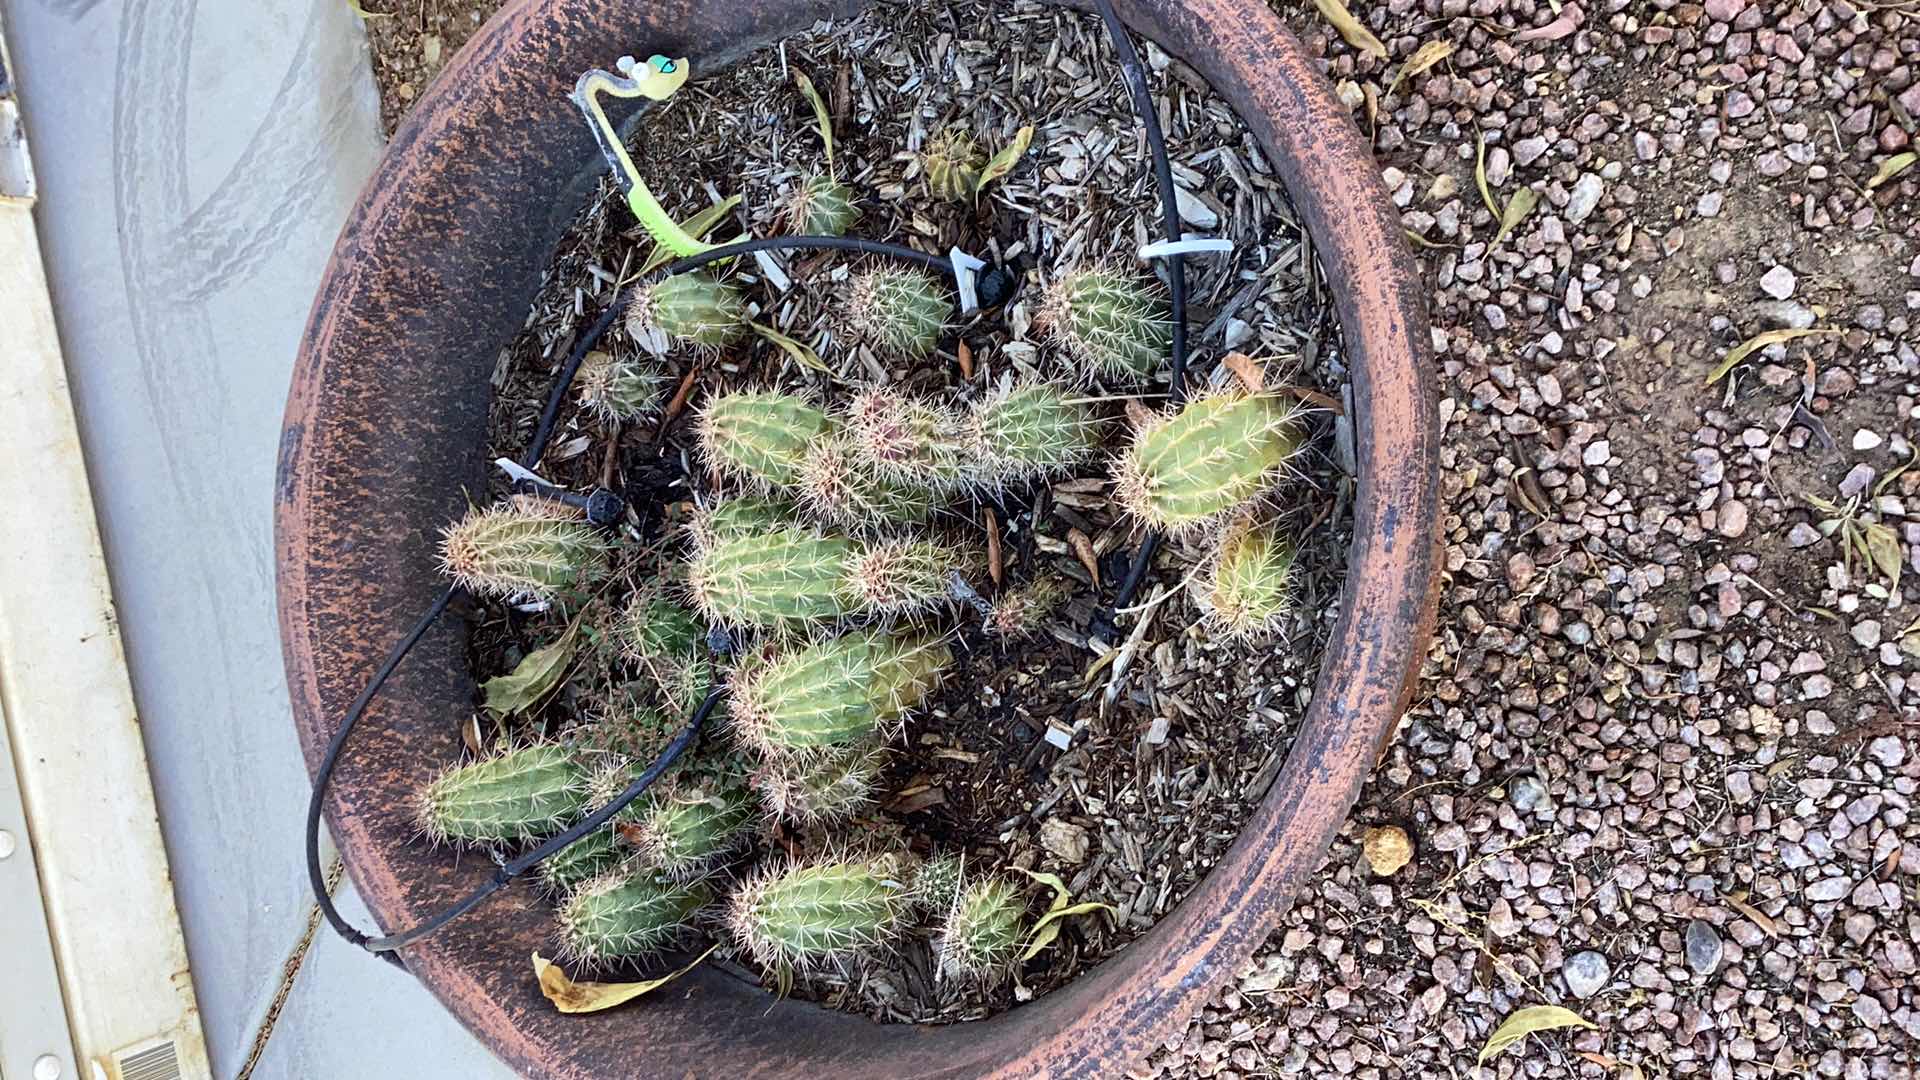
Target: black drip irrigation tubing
x,y
388,947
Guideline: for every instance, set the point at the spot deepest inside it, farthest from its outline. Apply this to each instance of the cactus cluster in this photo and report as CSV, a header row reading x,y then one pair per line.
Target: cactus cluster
x,y
822,206
840,692
937,885
951,161
820,788
691,822
627,912
615,389
667,643
510,797
1112,322
1246,587
1027,431
983,930
760,437
840,488
586,858
899,311
808,914
523,547
1190,469
794,577
1019,613
693,309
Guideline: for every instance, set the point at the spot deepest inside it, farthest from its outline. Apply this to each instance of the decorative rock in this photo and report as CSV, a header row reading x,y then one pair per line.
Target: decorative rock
x,y
1888,751
1725,10
1828,889
1703,947
1585,973
1526,793
1733,518
1528,150
1866,440
1585,196
1387,850
1803,535
1856,480
1866,633
1778,283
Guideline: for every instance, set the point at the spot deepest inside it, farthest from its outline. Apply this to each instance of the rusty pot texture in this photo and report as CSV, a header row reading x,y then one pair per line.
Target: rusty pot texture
x,y
432,276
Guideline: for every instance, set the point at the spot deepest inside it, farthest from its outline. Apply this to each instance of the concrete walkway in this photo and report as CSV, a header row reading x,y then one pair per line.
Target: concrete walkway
x,y
196,158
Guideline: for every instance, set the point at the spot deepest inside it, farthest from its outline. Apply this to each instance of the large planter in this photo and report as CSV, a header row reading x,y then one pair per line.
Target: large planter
x,y
432,276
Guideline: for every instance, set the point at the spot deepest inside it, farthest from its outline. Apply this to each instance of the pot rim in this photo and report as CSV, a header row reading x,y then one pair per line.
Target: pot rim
x,y
444,249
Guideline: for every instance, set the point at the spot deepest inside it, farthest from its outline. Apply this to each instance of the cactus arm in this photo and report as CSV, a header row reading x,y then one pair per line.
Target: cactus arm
x,y
660,78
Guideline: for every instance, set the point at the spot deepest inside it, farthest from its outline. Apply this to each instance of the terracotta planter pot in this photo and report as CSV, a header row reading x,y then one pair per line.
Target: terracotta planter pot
x,y
432,276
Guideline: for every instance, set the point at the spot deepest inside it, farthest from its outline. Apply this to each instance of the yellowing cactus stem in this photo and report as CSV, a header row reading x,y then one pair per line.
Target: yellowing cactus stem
x,y
1189,470
1246,588
521,547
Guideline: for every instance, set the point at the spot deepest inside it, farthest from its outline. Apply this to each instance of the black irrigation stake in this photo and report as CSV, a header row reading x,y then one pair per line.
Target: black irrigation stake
x,y
995,285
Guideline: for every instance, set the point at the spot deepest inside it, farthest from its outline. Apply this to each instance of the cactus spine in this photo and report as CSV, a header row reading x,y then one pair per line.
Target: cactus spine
x,y
613,389
899,577
693,821
760,436
898,310
522,547
1109,320
820,788
786,578
586,858
517,795
1246,589
809,914
842,490
982,931
832,693
693,308
938,882
1028,432
952,162
1018,613
627,913
905,440
1188,470
822,206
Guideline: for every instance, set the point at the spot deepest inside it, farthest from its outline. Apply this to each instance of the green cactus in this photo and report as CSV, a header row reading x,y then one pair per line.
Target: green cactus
x,y
843,490
952,162
1186,471
900,577
525,546
667,642
983,930
692,308
1108,320
615,390
738,516
832,693
693,820
898,310
1028,432
938,882
822,787
909,441
822,206
759,436
626,913
787,578
513,796
1246,589
1018,613
812,913
588,857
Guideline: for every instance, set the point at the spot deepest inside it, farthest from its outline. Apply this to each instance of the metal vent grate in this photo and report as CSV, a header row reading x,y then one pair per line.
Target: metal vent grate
x,y
157,1062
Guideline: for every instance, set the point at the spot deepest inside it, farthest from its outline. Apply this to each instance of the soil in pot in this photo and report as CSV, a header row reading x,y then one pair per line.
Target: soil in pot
x,y
1118,751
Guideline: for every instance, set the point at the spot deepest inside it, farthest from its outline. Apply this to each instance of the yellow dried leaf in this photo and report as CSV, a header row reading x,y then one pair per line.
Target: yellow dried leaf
x,y
1754,915
1755,344
1352,29
535,677
1528,1021
1003,162
1387,850
1518,207
1891,168
820,115
1246,369
1881,545
585,997
1480,177
1048,928
355,7
801,354
1420,62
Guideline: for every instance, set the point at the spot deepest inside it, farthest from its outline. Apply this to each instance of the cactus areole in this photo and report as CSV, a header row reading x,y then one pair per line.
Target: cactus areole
x,y
438,264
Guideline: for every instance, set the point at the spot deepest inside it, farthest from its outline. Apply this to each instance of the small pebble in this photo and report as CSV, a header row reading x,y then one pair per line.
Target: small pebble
x,y
1778,283
1585,972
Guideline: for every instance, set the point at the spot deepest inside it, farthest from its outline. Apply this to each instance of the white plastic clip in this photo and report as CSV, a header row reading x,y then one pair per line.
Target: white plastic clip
x,y
965,267
1196,245
517,472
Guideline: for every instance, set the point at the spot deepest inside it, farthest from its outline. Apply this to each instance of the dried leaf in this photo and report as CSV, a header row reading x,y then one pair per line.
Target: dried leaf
x,y
1480,176
1570,19
1422,60
996,565
536,677
1756,343
1891,168
697,226
1083,550
1352,29
1528,1021
1060,907
804,356
1004,162
1518,207
1754,915
1630,1071
1246,369
964,353
1423,242
820,115
585,997
355,7
1881,545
